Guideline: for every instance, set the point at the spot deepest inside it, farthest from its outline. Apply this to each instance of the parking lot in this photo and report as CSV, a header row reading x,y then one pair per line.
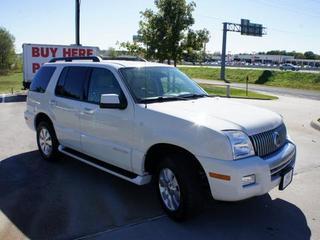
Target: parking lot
x,y
68,199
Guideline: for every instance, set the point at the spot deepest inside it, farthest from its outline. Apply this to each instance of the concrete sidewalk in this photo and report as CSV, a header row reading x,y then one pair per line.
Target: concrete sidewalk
x,y
308,94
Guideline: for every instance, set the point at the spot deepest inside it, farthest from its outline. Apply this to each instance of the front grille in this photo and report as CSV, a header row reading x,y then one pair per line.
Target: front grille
x,y
268,142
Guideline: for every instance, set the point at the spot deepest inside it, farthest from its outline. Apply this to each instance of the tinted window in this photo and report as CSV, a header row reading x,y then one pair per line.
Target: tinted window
x,y
61,80
102,81
41,79
71,82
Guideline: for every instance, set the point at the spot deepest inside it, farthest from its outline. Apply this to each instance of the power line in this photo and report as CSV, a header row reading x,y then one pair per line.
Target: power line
x,y
221,20
289,32
315,1
285,8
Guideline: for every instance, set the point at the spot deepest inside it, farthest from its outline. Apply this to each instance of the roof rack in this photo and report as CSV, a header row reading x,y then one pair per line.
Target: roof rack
x,y
70,59
126,58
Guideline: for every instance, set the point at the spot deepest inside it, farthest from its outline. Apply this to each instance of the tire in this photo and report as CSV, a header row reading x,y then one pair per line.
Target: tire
x,y
187,202
47,141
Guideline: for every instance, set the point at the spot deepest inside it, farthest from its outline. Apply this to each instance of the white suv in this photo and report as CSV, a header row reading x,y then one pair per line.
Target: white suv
x,y
142,121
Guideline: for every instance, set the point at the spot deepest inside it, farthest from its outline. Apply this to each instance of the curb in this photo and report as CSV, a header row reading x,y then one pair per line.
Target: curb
x,y
8,98
248,98
315,124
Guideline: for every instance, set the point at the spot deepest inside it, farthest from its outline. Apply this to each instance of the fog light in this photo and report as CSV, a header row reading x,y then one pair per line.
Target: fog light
x,y
247,180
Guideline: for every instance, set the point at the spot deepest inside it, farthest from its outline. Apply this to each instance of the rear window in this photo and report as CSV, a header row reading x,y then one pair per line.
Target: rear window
x,y
71,82
41,79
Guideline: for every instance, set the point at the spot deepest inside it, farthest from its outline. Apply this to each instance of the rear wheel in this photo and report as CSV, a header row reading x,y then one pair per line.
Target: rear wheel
x,y
178,187
47,141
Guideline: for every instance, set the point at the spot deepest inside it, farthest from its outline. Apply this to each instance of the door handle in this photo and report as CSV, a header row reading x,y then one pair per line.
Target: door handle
x,y
53,102
88,111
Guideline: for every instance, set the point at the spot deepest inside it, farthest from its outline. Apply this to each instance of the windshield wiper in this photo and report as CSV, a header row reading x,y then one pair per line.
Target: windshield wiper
x,y
192,95
162,99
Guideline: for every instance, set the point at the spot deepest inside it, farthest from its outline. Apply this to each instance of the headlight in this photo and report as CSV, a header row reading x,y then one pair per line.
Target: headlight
x,y
240,144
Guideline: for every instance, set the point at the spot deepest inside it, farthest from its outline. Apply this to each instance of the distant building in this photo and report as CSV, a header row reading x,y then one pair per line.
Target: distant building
x,y
272,59
262,58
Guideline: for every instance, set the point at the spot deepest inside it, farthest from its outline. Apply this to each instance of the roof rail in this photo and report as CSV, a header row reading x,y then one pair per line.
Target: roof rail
x,y
126,58
70,59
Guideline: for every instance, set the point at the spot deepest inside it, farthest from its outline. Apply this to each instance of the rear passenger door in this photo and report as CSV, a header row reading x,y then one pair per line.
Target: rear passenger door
x,y
66,104
106,133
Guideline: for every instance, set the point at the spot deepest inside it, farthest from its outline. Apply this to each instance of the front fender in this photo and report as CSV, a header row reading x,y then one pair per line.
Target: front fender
x,y
160,128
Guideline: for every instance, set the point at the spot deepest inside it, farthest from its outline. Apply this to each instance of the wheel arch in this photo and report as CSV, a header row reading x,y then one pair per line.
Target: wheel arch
x,y
41,116
157,151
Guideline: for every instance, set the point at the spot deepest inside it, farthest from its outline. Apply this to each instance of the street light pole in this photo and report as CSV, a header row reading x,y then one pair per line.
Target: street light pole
x,y
77,21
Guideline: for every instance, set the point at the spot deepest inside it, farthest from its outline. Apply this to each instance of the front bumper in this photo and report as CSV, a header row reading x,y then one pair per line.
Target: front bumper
x,y
267,170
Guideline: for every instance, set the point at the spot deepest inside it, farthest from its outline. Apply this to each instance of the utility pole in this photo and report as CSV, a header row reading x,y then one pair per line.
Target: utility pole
x,y
77,20
223,56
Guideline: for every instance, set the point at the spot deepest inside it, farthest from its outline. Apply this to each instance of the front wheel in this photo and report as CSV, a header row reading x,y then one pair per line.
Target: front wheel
x,y
178,188
169,188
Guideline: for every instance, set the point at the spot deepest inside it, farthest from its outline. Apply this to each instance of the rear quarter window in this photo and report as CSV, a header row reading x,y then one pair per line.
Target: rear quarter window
x,y
42,79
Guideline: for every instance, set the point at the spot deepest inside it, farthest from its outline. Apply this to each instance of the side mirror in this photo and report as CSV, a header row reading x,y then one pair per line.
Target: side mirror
x,y
111,101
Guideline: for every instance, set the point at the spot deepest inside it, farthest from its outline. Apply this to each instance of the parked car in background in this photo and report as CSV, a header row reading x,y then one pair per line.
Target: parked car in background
x,y
289,66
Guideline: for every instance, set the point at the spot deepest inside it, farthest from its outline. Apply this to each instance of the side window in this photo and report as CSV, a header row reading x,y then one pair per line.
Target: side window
x,y
71,82
61,80
41,79
102,81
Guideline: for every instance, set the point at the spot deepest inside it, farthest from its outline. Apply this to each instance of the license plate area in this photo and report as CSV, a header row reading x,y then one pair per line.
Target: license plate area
x,y
286,178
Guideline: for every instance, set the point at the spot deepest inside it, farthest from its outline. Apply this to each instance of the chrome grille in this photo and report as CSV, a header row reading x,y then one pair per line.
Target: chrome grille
x,y
268,142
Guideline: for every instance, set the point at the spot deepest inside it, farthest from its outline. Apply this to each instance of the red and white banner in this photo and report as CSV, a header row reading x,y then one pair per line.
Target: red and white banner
x,y
35,55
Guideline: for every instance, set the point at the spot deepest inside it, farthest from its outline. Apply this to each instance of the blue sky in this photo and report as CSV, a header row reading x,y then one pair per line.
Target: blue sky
x,y
291,24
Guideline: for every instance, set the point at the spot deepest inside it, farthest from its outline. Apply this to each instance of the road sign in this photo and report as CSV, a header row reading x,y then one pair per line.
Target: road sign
x,y
251,29
245,28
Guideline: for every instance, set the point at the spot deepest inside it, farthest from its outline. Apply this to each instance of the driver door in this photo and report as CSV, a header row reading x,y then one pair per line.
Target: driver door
x,y
106,133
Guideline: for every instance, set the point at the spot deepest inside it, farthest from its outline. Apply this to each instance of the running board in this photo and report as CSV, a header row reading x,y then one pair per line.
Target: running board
x,y
116,171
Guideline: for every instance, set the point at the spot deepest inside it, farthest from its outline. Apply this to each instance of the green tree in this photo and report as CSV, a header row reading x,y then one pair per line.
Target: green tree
x,y
310,55
299,55
7,52
277,52
133,48
203,38
195,45
112,52
177,18
165,32
151,35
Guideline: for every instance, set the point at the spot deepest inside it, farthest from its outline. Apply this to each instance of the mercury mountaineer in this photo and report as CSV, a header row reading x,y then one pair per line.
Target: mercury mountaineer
x,y
148,122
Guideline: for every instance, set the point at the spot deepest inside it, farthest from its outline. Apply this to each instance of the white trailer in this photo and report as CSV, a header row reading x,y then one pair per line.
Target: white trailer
x,y
35,55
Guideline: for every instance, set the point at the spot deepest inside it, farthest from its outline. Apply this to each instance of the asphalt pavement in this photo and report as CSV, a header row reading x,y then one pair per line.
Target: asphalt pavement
x,y
68,199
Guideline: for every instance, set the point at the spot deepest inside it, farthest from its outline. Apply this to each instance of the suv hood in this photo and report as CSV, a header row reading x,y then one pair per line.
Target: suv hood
x,y
220,114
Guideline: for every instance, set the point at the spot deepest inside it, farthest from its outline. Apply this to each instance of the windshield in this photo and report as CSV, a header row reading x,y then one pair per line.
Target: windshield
x,y
160,84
